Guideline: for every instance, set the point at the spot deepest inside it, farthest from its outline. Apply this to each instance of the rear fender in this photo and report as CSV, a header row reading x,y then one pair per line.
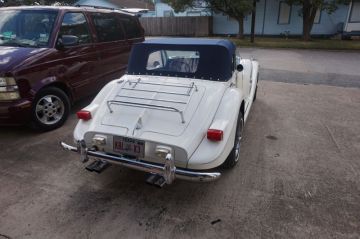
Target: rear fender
x,y
211,154
96,107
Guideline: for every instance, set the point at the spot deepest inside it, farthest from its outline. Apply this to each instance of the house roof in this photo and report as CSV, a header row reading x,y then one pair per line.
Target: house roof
x,y
146,4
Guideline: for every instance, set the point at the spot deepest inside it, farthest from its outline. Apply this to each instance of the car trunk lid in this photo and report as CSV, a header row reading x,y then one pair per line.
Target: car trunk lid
x,y
160,105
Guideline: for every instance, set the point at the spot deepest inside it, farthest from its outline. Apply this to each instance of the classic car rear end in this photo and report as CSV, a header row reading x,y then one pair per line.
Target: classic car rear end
x,y
174,114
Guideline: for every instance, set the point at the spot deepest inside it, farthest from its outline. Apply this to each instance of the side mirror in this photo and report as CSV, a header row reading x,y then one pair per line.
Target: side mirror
x,y
239,68
66,41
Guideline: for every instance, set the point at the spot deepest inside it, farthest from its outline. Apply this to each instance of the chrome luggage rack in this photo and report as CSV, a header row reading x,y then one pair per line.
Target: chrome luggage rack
x,y
130,85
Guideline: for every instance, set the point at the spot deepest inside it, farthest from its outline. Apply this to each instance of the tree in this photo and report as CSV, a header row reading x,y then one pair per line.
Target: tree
x,y
309,9
236,9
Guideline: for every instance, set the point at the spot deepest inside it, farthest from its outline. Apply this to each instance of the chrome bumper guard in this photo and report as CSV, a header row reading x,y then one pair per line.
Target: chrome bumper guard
x,y
168,171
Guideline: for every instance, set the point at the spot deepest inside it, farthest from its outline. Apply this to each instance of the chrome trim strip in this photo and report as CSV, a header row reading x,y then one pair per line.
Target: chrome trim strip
x,y
150,168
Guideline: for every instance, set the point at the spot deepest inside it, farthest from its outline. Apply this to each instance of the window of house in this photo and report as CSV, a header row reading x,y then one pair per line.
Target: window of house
x,y
284,13
355,12
75,24
317,17
108,27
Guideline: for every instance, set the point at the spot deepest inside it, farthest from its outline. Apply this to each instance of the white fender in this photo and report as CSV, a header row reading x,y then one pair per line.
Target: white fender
x,y
211,154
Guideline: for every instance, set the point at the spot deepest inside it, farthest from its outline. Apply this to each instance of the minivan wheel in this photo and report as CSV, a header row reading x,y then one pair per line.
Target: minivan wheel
x,y
50,109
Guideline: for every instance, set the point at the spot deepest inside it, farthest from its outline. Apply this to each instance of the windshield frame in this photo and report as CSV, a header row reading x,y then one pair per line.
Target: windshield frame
x,y
24,42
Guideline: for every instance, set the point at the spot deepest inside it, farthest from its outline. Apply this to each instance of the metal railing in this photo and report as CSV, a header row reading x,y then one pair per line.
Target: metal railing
x,y
131,85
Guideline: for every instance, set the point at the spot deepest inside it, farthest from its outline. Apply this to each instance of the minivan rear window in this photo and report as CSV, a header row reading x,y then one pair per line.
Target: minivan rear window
x,y
108,27
132,27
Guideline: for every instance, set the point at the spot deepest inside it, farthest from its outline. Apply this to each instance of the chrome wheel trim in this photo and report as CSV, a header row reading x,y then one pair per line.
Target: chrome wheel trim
x,y
238,138
50,109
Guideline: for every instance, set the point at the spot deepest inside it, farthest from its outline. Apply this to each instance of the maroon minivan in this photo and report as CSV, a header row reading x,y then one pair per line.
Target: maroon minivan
x,y
52,56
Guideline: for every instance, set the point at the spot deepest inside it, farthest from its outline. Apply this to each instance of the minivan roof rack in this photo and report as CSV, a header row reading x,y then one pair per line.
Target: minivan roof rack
x,y
97,7
106,8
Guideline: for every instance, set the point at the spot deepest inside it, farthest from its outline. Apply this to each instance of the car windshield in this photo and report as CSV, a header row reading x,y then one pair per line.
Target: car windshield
x,y
26,28
208,62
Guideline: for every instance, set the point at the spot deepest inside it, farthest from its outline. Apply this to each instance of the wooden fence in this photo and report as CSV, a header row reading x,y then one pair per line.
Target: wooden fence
x,y
177,26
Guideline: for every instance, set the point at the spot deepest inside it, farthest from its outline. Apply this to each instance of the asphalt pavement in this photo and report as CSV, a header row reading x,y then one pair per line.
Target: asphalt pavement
x,y
334,68
298,176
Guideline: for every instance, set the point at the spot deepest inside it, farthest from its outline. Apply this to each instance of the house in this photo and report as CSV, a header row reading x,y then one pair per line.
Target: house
x,y
164,10
352,23
275,17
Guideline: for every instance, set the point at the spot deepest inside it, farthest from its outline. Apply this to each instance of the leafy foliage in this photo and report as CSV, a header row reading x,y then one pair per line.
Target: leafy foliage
x,y
180,5
236,9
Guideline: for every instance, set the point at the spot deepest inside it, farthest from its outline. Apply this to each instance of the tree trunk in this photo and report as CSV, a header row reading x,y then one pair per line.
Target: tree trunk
x,y
306,30
240,34
253,18
309,13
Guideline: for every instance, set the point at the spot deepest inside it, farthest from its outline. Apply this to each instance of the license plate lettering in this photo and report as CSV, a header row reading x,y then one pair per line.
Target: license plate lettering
x,y
129,146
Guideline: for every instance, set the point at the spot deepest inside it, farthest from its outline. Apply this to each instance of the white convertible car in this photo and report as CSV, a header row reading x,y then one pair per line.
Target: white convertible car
x,y
179,112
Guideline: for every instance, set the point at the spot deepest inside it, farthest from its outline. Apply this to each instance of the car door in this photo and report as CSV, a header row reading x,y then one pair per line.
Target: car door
x,y
78,61
111,45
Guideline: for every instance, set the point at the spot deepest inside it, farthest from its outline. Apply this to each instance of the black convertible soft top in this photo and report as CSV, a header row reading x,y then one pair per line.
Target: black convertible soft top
x,y
216,60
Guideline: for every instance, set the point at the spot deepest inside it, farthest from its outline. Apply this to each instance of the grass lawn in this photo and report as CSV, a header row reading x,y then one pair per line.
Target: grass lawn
x,y
330,44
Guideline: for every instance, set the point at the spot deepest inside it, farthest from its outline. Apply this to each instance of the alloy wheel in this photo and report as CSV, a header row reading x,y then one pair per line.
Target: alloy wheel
x,y
50,109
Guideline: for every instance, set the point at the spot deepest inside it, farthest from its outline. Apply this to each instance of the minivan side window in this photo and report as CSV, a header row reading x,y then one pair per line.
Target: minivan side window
x,y
131,26
75,24
108,28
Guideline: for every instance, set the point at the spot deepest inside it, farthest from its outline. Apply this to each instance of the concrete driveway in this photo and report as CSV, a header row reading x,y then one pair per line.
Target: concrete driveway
x,y
298,177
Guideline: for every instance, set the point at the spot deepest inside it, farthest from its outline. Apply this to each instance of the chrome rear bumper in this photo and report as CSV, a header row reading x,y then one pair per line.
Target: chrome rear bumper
x,y
168,170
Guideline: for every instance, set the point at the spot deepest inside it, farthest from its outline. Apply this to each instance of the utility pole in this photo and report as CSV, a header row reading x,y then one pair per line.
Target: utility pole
x,y
253,17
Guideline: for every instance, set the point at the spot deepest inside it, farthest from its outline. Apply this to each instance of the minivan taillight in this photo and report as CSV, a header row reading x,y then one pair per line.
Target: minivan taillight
x,y
84,115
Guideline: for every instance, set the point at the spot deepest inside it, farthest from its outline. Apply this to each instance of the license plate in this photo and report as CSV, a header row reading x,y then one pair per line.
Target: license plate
x,y
129,146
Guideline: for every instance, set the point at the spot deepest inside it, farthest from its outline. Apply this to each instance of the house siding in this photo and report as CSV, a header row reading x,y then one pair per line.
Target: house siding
x,y
267,13
267,22
327,26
